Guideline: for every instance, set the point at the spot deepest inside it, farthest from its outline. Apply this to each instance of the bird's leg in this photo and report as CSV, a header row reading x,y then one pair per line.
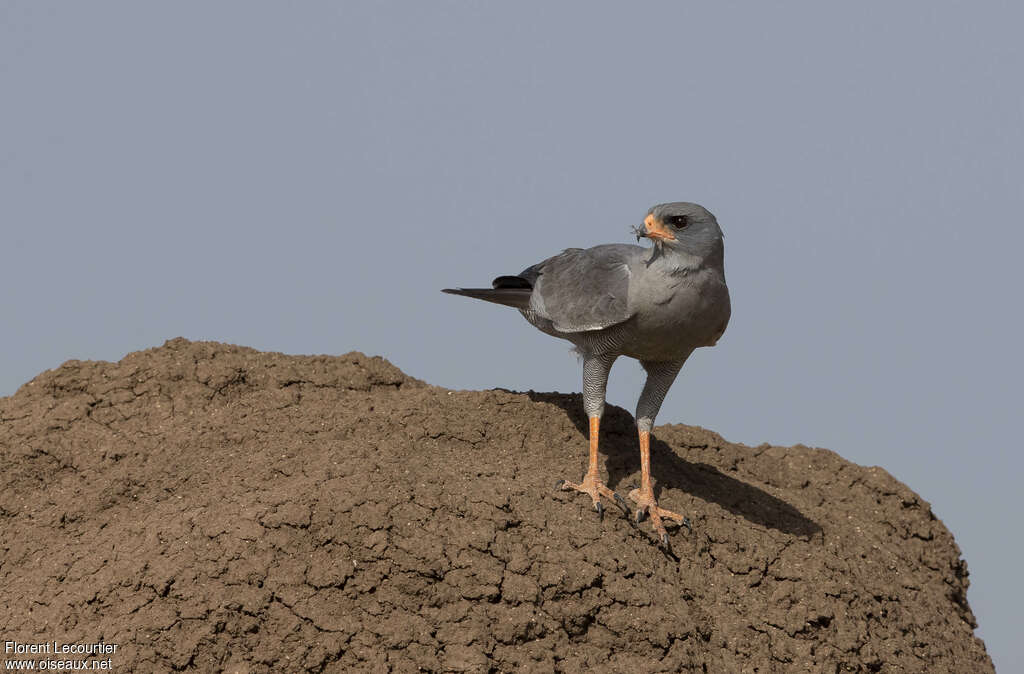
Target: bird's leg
x,y
659,378
592,483
595,381
644,496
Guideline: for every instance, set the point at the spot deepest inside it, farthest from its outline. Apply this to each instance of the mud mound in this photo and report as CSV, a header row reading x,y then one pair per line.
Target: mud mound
x,y
213,508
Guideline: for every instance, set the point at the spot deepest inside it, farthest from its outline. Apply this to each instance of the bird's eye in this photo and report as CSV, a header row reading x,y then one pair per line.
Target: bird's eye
x,y
679,221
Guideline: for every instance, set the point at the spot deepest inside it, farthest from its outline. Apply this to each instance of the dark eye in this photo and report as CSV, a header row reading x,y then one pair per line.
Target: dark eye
x,y
679,221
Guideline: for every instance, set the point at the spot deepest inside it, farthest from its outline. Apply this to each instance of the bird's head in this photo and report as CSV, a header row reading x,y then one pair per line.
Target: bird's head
x,y
684,227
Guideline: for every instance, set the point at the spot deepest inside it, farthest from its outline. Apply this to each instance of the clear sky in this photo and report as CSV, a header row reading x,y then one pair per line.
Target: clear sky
x,y
305,177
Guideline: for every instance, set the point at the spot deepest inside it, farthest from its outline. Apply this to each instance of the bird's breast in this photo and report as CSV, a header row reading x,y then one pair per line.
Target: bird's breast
x,y
678,316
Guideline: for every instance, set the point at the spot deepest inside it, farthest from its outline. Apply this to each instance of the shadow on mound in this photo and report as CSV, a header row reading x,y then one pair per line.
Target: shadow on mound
x,y
669,469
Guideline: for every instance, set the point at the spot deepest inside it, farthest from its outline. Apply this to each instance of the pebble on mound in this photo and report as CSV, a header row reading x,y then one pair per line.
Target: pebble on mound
x,y
209,507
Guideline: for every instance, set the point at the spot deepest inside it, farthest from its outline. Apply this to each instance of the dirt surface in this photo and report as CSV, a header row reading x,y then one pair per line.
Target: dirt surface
x,y
213,508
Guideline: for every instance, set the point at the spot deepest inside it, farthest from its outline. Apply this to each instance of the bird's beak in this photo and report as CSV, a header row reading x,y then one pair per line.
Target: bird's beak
x,y
655,229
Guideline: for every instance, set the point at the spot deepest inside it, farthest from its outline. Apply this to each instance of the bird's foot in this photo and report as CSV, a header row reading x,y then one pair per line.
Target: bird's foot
x,y
593,486
647,504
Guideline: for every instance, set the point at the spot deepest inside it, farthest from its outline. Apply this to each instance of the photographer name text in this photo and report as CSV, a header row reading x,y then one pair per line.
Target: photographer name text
x,y
58,648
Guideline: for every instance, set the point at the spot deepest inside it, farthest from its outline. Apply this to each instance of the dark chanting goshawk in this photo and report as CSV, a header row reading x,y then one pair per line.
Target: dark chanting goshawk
x,y
654,304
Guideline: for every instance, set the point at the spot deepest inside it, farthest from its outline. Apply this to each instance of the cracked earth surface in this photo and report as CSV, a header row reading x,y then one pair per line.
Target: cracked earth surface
x,y
214,508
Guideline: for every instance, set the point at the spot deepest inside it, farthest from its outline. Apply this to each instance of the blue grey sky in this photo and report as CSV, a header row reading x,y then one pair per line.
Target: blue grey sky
x,y
305,177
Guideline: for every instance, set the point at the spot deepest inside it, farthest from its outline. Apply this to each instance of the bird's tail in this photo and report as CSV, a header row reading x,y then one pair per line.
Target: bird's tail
x,y
510,297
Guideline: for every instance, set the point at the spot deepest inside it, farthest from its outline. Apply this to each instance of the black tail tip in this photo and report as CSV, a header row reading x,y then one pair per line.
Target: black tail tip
x,y
511,282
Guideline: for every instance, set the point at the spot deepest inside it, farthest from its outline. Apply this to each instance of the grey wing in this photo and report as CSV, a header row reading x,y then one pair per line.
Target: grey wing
x,y
581,290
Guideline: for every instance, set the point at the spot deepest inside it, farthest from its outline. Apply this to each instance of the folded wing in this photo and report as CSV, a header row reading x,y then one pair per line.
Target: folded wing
x,y
580,290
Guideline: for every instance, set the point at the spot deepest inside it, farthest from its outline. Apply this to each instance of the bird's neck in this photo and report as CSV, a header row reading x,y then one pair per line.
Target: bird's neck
x,y
680,261
675,261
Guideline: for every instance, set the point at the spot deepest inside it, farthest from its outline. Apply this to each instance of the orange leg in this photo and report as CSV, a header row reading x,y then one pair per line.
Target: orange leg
x,y
644,496
592,484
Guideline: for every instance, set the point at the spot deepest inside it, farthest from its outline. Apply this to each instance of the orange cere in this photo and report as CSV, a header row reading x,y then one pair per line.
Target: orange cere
x,y
657,229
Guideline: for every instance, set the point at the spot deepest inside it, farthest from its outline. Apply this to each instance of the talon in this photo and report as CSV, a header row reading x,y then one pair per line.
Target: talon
x,y
621,501
593,487
660,517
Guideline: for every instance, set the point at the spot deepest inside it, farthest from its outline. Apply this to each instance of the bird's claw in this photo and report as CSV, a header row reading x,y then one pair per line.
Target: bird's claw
x,y
621,501
595,488
647,505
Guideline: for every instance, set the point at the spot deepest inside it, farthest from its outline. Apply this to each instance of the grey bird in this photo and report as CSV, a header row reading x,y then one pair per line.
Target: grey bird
x,y
654,304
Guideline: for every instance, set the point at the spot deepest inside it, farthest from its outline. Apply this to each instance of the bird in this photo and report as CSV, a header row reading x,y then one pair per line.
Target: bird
x,y
655,304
